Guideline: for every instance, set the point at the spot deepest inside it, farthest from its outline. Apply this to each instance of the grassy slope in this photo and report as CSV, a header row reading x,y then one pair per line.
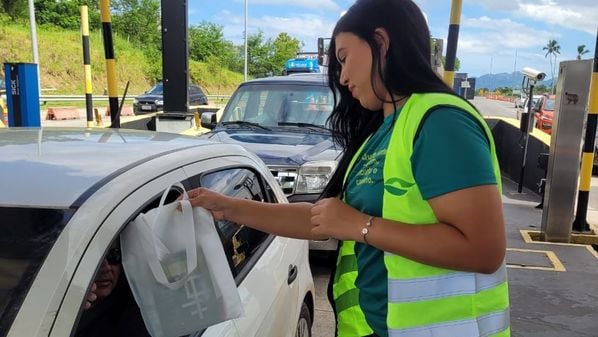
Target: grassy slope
x,y
61,62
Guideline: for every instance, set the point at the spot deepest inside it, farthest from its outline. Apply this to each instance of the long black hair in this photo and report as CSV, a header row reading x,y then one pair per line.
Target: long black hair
x,y
407,70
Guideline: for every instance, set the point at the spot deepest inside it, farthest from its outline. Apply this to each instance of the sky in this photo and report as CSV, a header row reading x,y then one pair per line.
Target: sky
x,y
495,36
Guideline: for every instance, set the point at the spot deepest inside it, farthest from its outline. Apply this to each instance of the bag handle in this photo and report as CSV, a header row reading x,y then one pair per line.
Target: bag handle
x,y
190,242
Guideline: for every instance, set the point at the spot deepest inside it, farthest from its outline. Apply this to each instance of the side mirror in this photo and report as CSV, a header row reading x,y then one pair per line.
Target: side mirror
x,y
322,57
208,120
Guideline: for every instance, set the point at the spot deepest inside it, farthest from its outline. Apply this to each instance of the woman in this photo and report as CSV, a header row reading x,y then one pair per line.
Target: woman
x,y
415,199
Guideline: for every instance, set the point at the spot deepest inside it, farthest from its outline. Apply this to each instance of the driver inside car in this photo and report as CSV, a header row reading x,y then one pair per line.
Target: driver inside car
x,y
110,309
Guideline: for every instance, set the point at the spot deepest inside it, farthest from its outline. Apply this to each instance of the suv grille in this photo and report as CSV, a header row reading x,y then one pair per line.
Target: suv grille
x,y
286,177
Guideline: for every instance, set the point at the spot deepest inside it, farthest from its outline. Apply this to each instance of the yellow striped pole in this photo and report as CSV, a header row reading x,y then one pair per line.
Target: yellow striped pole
x,y
87,64
453,38
110,63
587,160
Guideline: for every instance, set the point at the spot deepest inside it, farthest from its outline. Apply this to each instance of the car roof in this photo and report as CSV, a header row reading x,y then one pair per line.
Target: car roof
x,y
303,78
39,163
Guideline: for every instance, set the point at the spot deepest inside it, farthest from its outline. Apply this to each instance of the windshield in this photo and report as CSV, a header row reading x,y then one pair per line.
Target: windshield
x,y
549,105
157,89
279,104
26,236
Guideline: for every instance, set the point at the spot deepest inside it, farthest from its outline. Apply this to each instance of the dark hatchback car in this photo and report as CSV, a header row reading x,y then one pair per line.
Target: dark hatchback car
x,y
153,99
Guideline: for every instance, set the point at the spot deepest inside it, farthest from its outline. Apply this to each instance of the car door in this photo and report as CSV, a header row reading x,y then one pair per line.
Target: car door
x,y
265,267
142,199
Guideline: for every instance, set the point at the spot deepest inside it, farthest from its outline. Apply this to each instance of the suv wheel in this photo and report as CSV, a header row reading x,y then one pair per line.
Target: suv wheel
x,y
304,323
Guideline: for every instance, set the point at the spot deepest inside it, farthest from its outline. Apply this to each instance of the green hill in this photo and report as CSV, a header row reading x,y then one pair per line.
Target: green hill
x,y
61,62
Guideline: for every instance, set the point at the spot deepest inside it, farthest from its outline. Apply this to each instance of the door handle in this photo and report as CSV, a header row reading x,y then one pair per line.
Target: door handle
x,y
292,273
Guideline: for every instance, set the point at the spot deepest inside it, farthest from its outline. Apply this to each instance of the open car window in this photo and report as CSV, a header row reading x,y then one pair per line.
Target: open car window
x,y
243,245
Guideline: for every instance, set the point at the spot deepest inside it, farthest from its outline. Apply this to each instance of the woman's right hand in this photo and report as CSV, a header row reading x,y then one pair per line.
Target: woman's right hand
x,y
214,202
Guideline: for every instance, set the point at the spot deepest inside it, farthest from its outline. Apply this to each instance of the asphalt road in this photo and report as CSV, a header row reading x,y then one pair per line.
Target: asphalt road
x,y
324,318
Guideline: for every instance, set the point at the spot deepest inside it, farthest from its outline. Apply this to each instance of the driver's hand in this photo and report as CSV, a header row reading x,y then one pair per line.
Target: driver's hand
x,y
91,297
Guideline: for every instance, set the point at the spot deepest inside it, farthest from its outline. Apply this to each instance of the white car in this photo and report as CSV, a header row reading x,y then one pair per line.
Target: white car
x,y
66,194
523,107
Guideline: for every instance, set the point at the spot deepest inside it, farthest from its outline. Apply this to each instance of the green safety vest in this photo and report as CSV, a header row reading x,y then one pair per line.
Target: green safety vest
x,y
423,301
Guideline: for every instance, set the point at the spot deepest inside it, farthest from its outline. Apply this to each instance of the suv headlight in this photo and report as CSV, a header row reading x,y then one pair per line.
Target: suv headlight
x,y
160,102
312,177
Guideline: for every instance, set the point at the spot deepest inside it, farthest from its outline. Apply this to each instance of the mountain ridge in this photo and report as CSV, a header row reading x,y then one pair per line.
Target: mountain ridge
x,y
509,80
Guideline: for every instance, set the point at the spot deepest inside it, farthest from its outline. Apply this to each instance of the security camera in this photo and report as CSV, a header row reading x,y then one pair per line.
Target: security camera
x,y
533,74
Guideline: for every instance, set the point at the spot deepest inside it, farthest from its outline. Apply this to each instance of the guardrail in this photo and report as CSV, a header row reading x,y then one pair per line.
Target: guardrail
x,y
74,98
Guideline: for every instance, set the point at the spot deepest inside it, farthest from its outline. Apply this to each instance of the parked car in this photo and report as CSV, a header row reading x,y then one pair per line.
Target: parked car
x,y
519,98
525,103
544,112
302,63
283,120
63,204
153,99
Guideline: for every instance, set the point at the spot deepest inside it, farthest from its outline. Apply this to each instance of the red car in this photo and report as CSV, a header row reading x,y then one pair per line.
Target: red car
x,y
544,111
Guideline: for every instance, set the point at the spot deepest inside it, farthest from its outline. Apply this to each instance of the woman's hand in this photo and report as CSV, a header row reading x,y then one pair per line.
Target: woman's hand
x,y
214,202
333,218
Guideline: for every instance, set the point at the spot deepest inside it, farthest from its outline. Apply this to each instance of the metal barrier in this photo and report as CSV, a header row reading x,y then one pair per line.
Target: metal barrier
x,y
75,98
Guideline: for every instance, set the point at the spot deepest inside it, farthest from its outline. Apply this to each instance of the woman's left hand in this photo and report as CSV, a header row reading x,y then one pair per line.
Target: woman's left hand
x,y
333,218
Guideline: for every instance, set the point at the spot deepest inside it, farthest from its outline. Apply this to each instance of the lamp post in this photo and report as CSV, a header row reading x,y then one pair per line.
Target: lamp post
x,y
245,68
34,41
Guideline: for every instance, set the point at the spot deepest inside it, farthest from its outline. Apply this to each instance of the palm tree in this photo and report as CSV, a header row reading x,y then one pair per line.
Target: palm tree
x,y
581,50
552,49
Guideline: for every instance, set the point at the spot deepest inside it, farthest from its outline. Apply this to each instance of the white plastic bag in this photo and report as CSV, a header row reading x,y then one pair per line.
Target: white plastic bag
x,y
177,270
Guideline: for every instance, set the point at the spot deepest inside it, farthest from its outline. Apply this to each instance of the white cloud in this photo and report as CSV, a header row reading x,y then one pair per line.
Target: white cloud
x,y
500,45
304,27
311,4
485,35
580,15
576,17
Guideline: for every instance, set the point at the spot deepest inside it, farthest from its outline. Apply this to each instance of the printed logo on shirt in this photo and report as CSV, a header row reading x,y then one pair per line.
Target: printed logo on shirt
x,y
397,186
371,168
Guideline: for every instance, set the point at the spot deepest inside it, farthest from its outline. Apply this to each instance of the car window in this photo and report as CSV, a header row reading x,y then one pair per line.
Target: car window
x,y
113,291
272,104
157,89
194,90
242,245
549,105
26,237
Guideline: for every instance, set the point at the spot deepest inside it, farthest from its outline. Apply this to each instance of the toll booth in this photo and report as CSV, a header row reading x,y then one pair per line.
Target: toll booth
x,y
563,168
22,94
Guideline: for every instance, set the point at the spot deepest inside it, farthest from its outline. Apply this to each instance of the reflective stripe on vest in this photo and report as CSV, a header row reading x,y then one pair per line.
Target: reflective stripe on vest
x,y
491,325
351,321
426,300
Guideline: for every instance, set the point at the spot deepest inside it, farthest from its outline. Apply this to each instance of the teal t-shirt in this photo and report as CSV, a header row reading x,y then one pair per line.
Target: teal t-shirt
x,y
450,153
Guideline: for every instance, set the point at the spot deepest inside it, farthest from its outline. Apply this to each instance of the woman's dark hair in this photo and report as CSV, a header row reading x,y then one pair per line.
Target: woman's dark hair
x,y
407,70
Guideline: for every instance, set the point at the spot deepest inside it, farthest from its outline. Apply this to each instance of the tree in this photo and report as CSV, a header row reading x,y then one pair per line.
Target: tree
x,y
207,39
581,50
14,8
267,56
138,20
259,54
457,63
66,14
552,49
285,47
